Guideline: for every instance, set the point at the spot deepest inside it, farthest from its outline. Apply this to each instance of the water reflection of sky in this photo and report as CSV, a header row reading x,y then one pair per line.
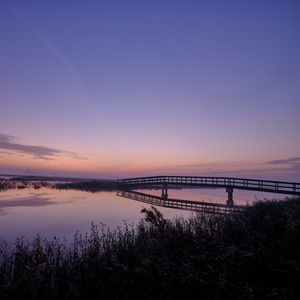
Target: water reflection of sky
x,y
217,195
50,212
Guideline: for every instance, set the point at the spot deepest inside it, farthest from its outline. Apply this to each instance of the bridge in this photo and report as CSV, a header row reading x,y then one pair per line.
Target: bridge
x,y
280,187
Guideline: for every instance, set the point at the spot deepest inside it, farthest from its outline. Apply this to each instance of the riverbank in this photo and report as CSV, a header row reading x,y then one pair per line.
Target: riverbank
x,y
61,183
253,256
66,183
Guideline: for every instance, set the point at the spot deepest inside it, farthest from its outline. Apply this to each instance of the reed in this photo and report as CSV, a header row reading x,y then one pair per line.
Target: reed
x,y
255,255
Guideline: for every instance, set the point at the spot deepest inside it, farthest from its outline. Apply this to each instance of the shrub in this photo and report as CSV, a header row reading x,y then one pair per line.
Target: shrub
x,y
255,255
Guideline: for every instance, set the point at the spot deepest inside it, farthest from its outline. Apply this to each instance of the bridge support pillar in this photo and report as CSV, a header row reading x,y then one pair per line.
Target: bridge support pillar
x,y
164,191
229,201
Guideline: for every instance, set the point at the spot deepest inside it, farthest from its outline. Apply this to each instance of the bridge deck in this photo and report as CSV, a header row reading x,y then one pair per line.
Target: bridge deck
x,y
281,187
207,207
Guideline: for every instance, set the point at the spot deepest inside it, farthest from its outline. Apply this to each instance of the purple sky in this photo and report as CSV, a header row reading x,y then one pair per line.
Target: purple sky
x,y
121,88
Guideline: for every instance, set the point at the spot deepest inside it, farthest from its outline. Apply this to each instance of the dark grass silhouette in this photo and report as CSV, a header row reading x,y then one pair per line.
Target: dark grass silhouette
x,y
255,255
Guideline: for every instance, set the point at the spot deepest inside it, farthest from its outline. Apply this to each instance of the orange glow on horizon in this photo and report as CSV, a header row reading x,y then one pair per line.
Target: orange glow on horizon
x,y
139,166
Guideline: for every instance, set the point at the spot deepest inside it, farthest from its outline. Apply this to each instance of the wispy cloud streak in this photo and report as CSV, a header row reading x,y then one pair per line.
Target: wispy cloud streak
x,y
9,143
292,163
284,166
291,160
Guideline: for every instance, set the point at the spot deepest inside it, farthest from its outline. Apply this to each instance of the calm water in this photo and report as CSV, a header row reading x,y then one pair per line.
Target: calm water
x,y
51,212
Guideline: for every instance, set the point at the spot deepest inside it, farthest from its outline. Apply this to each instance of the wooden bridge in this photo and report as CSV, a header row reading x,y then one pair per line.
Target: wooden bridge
x,y
280,187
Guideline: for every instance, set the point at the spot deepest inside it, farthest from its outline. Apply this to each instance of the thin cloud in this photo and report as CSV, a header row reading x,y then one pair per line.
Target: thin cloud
x,y
35,29
9,143
292,160
292,163
4,153
232,169
206,168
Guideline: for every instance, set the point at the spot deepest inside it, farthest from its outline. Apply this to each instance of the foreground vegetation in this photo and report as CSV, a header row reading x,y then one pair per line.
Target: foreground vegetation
x,y
253,256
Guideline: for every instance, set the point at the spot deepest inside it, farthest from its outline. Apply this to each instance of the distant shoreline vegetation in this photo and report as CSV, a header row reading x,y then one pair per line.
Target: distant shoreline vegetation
x,y
255,255
63,183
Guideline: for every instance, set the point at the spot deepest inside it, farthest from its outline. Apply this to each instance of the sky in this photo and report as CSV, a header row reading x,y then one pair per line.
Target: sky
x,y
115,89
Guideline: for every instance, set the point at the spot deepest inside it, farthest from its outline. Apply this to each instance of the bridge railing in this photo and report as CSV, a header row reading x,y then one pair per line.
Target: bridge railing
x,y
239,183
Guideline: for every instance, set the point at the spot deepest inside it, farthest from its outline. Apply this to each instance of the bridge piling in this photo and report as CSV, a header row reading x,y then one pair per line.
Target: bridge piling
x,y
164,191
229,201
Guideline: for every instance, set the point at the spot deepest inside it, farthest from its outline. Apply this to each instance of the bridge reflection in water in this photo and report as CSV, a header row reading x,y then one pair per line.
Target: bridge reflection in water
x,y
197,206
165,182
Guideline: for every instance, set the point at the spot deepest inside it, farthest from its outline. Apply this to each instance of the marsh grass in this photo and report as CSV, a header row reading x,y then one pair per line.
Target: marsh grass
x,y
252,256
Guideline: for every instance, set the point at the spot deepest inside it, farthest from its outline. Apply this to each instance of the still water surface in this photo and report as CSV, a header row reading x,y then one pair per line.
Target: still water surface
x,y
49,212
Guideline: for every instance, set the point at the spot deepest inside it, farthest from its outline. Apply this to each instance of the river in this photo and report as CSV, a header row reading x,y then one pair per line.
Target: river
x,y
50,212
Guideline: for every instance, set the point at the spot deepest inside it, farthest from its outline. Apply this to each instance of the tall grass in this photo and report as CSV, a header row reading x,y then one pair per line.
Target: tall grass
x,y
252,256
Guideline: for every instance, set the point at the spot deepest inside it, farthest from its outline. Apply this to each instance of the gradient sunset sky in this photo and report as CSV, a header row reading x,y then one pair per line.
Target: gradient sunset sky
x,y
126,88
